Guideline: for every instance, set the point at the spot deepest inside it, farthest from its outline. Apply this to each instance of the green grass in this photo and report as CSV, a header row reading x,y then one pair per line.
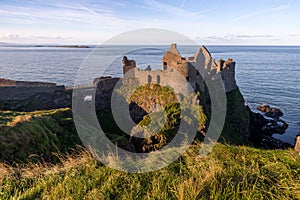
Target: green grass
x,y
228,172
36,135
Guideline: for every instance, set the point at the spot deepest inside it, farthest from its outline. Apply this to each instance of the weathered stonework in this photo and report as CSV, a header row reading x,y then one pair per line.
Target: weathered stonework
x,y
20,90
30,96
175,68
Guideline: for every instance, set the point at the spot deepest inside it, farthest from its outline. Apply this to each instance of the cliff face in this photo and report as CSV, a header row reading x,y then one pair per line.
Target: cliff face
x,y
237,124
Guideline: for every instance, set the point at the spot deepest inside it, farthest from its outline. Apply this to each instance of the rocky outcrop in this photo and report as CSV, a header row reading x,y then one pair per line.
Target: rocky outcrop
x,y
274,125
270,111
262,130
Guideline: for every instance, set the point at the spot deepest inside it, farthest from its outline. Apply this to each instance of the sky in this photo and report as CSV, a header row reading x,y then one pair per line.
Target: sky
x,y
210,22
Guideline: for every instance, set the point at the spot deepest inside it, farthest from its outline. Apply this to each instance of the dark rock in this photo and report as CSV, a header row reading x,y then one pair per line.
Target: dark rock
x,y
269,142
270,112
274,114
264,108
262,130
257,120
274,126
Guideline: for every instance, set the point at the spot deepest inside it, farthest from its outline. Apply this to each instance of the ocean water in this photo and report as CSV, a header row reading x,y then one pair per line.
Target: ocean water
x,y
264,74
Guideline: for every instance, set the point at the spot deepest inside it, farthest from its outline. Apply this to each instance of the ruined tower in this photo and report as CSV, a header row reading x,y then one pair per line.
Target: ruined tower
x,y
227,69
173,60
127,65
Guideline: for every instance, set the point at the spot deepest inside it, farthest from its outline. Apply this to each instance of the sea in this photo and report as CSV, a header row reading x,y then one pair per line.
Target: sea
x,y
264,74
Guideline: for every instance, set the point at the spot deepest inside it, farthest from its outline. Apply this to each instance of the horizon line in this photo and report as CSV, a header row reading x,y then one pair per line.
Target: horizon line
x,y
90,44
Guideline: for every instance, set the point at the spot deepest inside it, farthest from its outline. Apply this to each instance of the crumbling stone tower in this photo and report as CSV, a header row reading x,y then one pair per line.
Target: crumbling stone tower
x,y
173,59
227,70
128,65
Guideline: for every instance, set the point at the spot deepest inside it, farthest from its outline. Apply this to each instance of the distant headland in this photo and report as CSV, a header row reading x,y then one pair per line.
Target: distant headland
x,y
64,46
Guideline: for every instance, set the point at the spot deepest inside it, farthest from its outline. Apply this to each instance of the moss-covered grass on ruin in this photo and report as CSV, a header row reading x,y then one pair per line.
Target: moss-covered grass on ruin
x,y
161,95
145,97
228,172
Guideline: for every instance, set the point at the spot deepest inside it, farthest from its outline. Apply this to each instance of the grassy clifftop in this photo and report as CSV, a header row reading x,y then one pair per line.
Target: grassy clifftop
x,y
36,135
39,134
229,172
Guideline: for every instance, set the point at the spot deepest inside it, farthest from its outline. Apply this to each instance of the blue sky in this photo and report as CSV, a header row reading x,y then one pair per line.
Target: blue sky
x,y
268,22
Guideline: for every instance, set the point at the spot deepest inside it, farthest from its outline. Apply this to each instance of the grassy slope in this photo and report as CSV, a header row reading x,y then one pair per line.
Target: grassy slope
x,y
39,133
227,173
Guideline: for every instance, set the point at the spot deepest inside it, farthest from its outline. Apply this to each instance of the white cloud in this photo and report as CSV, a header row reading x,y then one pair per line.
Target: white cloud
x,y
262,12
173,10
87,22
60,14
9,36
238,37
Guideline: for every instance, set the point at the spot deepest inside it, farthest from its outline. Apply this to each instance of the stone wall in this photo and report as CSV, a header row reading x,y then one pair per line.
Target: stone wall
x,y
24,92
104,90
169,77
30,96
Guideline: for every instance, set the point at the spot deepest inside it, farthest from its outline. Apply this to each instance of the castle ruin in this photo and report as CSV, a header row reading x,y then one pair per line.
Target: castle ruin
x,y
177,72
195,70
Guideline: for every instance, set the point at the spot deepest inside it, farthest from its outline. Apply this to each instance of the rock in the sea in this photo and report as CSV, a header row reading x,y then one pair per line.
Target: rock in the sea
x,y
270,112
274,113
264,108
274,126
262,130
269,142
297,144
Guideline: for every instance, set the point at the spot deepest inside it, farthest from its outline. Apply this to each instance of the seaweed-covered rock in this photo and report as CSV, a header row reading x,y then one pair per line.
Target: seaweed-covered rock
x,y
270,111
